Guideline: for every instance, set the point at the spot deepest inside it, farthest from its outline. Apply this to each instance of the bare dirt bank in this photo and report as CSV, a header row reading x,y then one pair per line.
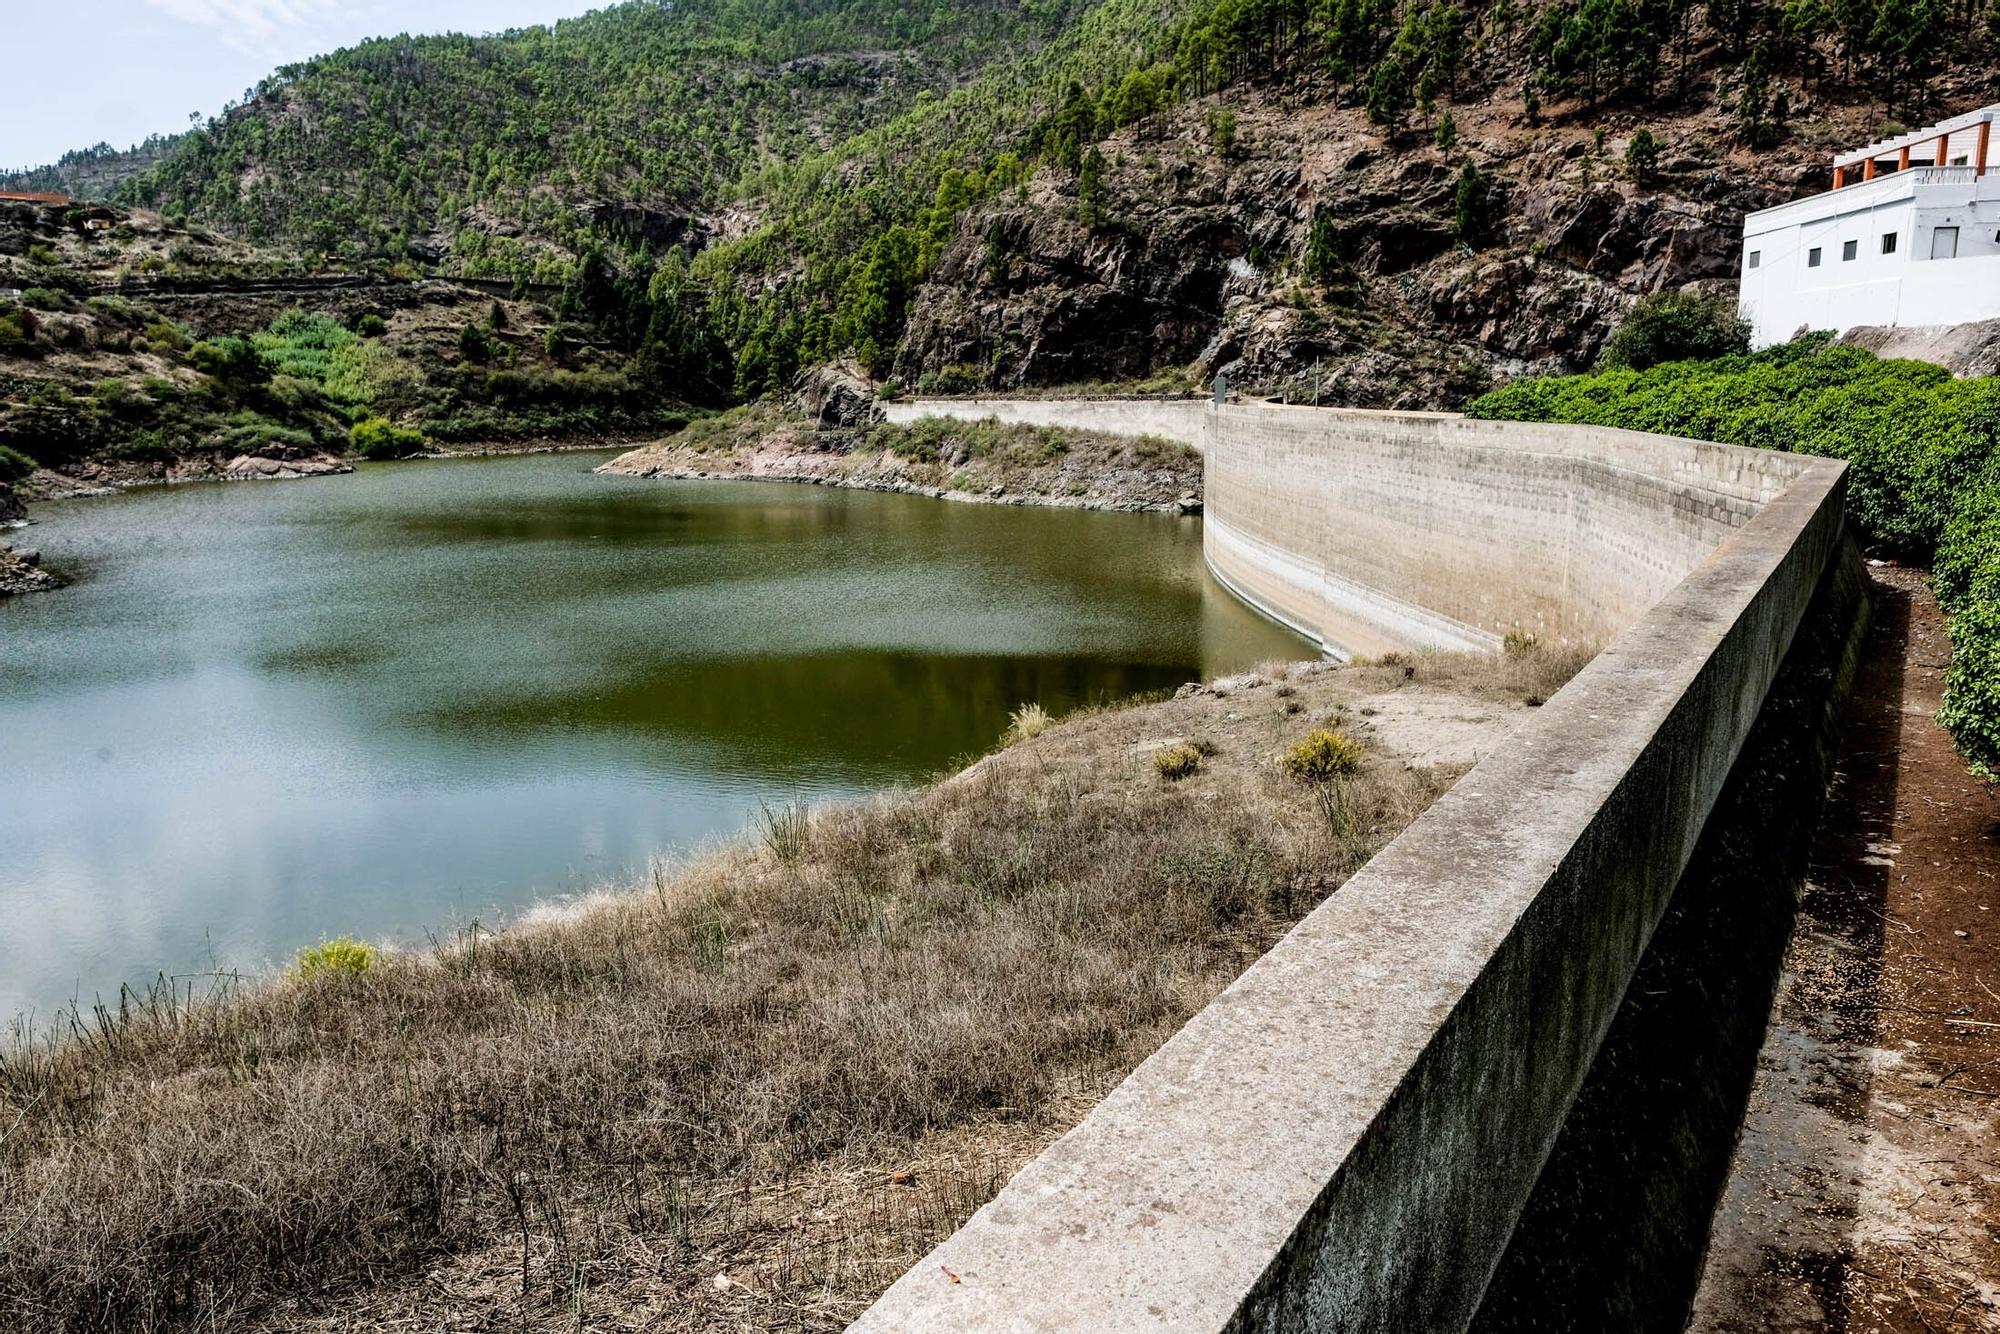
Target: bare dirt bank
x,y
951,460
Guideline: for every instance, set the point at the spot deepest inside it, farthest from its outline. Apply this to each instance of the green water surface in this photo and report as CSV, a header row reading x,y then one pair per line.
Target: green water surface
x,y
440,691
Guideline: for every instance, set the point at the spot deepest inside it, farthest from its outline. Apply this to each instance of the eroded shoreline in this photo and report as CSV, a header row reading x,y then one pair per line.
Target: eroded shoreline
x,y
880,1010
981,462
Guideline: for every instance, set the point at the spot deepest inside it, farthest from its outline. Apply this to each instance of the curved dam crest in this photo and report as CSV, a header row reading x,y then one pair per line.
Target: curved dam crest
x,y
1349,1136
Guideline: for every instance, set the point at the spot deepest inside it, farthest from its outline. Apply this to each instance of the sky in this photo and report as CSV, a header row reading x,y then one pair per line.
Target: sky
x,y
80,72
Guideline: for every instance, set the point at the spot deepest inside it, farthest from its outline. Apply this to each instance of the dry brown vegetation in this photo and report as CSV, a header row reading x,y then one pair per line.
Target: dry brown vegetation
x,y
746,1095
1044,465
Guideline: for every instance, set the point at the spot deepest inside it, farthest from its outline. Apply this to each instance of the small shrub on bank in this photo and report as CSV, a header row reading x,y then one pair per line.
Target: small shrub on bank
x,y
380,438
343,956
1026,722
14,465
1177,762
1671,327
18,328
1323,757
165,337
786,830
249,433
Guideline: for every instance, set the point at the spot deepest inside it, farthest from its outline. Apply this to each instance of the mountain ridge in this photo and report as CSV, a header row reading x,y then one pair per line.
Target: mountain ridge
x,y
731,226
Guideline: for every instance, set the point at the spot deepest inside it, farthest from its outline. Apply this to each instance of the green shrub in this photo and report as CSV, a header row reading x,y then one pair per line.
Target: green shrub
x,y
1324,756
1924,469
380,438
17,333
1026,722
303,345
1967,569
1177,762
1642,155
233,363
1668,326
343,956
1971,710
166,337
371,325
14,465
474,345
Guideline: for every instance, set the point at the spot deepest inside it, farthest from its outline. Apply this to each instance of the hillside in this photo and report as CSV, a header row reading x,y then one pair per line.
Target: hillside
x,y
1362,201
136,348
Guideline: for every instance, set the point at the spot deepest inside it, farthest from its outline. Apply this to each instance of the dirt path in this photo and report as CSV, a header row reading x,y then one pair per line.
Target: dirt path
x,y
1866,1191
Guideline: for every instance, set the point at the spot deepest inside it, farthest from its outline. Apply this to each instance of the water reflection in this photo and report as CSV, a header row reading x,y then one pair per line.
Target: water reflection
x,y
439,690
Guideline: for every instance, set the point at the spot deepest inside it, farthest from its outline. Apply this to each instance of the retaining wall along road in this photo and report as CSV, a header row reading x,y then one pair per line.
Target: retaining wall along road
x,y
1347,1136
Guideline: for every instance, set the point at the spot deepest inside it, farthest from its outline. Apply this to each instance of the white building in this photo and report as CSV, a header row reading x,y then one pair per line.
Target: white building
x,y
1909,236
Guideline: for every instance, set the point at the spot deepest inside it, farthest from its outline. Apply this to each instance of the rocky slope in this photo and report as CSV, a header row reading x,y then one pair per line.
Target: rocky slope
x,y
134,348
1199,259
1379,204
21,572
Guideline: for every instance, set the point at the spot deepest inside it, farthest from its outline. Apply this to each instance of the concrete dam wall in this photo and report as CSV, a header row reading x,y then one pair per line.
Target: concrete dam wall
x,y
1364,1129
1375,531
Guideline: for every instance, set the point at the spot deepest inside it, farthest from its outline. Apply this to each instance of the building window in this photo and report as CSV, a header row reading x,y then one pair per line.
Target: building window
x,y
1944,243
1848,249
1756,258
1812,258
1888,243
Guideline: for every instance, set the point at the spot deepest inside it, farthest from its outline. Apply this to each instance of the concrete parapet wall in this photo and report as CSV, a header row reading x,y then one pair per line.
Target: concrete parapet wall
x,y
1347,1136
1169,418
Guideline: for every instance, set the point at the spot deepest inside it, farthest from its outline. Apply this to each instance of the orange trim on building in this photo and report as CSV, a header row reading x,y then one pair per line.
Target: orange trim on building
x,y
27,197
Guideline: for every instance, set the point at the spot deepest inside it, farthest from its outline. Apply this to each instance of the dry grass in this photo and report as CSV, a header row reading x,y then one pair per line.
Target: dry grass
x,y
1528,670
744,1096
966,459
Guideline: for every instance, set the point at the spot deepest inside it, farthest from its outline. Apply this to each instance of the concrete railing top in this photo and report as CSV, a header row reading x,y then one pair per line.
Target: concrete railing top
x,y
1345,1137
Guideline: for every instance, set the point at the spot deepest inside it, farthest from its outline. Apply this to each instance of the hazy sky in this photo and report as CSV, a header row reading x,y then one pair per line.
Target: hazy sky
x,y
77,72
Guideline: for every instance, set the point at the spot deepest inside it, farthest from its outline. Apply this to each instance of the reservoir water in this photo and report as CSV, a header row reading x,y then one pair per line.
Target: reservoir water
x,y
437,692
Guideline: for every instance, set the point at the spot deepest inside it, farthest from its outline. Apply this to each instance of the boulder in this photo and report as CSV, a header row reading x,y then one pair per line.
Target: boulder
x,y
256,467
837,397
22,572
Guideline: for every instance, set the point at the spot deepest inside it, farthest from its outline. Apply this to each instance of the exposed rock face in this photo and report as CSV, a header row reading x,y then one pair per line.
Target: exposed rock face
x,y
837,397
1039,298
1965,349
21,572
255,467
1198,257
664,230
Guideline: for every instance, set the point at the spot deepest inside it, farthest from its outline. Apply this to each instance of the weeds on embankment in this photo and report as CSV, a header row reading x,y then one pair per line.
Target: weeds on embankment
x,y
747,1095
